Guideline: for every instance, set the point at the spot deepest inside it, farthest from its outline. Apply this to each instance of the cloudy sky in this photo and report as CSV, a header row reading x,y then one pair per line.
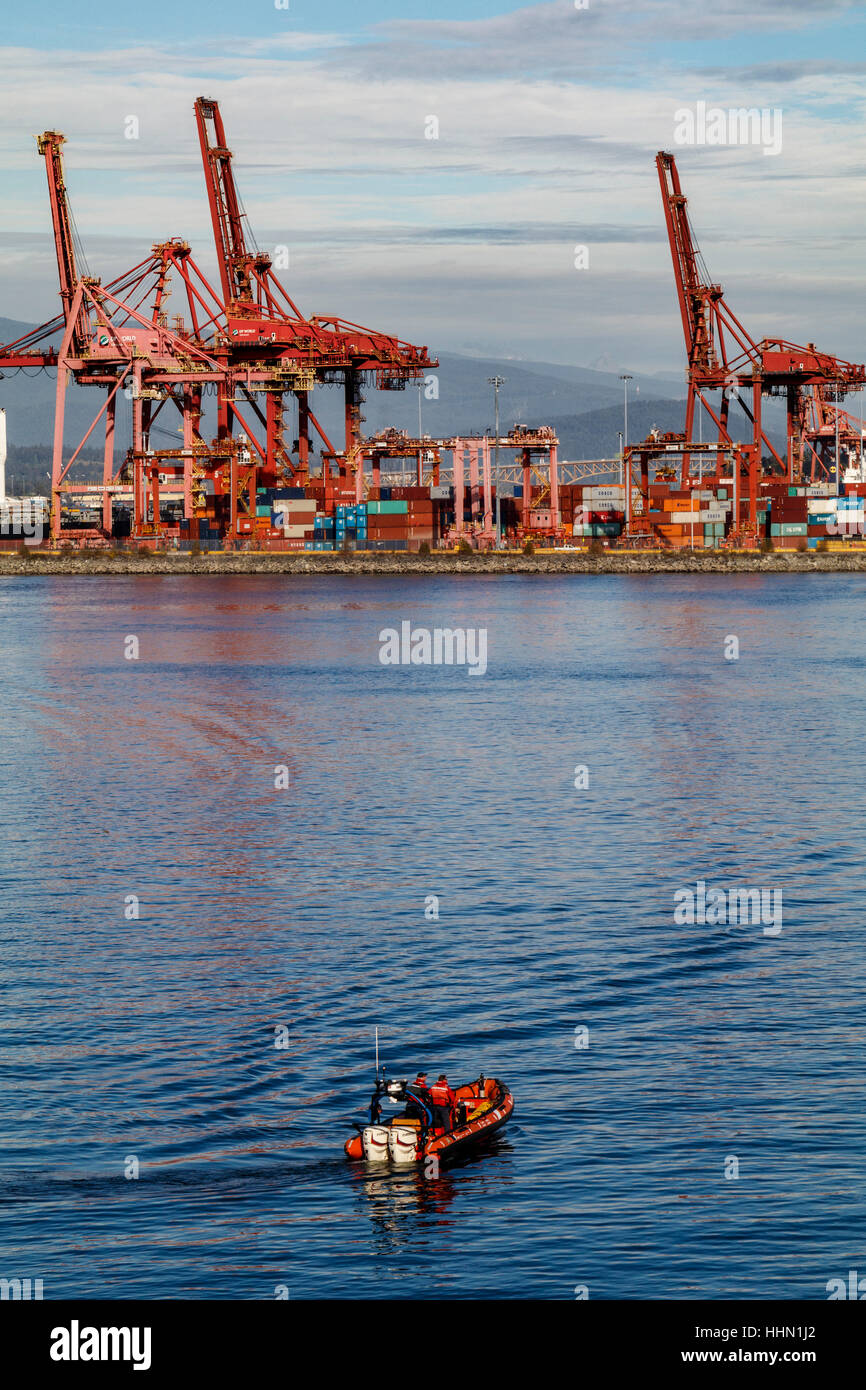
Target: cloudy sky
x,y
549,118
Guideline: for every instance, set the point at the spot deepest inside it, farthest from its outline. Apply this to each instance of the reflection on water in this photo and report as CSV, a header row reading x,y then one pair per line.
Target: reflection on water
x,y
153,1034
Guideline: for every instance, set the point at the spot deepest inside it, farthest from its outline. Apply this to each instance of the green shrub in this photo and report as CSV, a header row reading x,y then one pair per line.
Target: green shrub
x,y
528,547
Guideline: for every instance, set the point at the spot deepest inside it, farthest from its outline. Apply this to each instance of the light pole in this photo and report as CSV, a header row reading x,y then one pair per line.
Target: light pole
x,y
496,382
420,451
625,378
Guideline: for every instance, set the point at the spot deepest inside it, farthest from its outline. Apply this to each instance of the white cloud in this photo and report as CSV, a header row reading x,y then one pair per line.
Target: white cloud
x,y
331,159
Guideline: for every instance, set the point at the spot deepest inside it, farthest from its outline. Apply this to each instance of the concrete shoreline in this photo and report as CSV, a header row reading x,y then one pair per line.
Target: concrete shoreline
x,y
614,562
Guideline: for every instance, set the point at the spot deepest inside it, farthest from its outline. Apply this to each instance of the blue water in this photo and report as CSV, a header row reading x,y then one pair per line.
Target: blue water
x,y
151,1040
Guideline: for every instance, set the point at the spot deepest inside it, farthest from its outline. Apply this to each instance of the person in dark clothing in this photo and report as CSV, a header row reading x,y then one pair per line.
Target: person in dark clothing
x,y
419,1105
444,1101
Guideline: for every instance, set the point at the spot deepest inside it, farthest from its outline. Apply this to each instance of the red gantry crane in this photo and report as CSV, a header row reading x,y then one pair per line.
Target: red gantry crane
x,y
243,340
722,356
265,328
115,336
828,431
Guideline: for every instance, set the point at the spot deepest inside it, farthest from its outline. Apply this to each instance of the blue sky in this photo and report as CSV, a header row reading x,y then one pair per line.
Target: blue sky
x,y
549,120
56,23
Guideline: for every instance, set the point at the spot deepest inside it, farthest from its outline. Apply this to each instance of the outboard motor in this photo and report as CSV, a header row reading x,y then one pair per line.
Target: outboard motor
x,y
377,1138
403,1143
375,1141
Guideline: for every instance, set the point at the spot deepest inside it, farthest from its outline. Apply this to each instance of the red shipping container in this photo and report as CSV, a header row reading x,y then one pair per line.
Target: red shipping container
x,y
402,494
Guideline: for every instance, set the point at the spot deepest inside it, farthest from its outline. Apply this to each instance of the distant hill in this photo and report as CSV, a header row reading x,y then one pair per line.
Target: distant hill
x,y
28,397
585,407
595,434
531,393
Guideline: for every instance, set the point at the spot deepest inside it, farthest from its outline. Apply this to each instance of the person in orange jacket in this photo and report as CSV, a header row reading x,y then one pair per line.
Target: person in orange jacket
x,y
444,1101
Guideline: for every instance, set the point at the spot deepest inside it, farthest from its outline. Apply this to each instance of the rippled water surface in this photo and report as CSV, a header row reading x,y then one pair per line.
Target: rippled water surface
x,y
152,1039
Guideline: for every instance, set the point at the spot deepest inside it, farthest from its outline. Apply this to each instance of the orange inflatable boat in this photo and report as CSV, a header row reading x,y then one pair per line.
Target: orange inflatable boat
x,y
482,1108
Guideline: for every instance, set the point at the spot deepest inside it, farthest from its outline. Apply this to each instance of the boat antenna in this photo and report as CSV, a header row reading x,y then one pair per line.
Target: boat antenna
x,y
377,1053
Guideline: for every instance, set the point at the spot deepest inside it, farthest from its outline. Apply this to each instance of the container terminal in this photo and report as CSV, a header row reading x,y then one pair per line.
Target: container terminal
x,y
244,357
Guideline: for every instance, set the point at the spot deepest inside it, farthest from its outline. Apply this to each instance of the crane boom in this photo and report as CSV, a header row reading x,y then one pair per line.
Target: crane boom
x,y
694,296
722,355
235,261
50,145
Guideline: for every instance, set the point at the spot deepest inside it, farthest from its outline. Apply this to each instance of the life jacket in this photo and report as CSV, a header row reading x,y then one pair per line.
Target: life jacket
x,y
442,1094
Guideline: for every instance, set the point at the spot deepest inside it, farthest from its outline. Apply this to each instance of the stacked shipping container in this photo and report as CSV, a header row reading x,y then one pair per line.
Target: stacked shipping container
x,y
326,516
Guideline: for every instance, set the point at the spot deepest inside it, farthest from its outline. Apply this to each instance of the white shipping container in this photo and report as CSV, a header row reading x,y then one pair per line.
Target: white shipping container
x,y
611,492
713,514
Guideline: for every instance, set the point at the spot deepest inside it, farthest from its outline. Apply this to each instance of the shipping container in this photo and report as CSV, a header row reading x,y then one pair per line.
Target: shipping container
x,y
607,492
387,508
